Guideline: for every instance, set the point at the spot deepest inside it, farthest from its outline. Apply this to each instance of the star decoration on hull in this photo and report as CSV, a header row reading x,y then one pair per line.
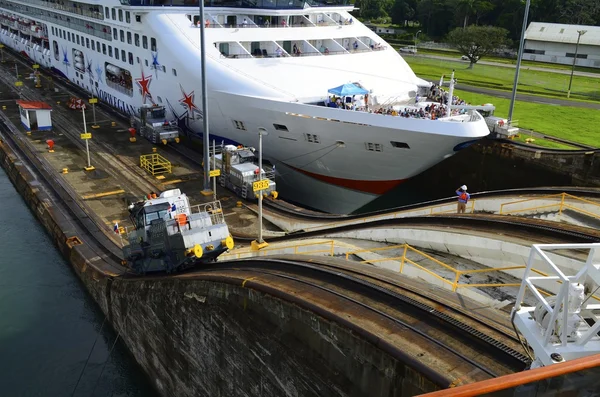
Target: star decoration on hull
x,y
144,84
66,59
188,102
99,73
155,63
89,69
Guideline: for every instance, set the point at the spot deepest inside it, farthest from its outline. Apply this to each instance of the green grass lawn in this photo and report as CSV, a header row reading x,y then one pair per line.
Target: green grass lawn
x,y
509,61
500,78
575,124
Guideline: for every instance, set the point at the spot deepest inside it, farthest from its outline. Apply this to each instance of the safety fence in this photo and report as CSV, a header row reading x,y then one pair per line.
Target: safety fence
x,y
312,248
580,377
563,202
452,281
155,164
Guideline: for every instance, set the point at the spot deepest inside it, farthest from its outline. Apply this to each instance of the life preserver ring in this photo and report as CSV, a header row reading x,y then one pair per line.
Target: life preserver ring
x,y
501,123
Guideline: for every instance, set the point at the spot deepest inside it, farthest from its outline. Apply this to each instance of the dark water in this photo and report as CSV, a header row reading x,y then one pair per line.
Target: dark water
x,y
48,322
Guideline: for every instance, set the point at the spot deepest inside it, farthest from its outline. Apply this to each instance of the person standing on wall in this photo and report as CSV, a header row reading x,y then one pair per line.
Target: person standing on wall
x,y
463,198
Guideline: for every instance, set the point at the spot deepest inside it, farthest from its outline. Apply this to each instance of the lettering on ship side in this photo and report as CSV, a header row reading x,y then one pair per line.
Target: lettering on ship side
x,y
116,102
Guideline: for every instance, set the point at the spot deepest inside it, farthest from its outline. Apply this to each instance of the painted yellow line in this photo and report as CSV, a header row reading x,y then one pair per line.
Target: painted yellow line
x,y
246,280
104,194
173,181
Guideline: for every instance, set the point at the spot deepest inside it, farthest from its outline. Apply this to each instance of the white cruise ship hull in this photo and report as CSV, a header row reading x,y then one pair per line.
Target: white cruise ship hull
x,y
329,159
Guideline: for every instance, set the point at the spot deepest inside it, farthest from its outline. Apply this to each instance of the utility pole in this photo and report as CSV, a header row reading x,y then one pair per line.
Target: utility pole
x,y
580,33
518,67
416,35
86,137
206,144
260,243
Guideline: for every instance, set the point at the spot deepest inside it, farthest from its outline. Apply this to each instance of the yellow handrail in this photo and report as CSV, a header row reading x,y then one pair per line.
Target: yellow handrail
x,y
263,251
562,205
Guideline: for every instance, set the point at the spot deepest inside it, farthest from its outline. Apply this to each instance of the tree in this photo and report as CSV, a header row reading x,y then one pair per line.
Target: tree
x,y
475,42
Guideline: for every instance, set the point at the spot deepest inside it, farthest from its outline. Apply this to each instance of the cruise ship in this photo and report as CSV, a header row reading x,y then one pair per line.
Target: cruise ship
x,y
269,64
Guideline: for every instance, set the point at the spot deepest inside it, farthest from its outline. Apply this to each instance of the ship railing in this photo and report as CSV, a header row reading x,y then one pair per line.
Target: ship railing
x,y
120,88
90,11
302,54
213,209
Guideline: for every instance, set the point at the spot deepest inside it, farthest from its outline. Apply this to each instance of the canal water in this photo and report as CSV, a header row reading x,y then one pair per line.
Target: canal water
x,y
48,322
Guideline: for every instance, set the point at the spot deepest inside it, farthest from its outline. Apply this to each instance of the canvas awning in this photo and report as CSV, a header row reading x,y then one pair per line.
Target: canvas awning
x,y
348,90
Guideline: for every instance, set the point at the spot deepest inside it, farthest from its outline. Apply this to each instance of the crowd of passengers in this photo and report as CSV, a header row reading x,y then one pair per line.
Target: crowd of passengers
x,y
434,105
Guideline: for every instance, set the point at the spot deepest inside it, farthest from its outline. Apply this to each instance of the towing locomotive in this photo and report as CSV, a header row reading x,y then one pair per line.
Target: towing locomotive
x,y
169,235
239,171
152,125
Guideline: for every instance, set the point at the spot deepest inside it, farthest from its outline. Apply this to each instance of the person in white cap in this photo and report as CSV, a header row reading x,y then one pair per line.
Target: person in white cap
x,y
463,198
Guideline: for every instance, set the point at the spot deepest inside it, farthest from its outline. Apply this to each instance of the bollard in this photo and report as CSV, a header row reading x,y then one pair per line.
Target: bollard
x,y
132,134
113,124
153,150
238,204
65,170
28,132
58,102
3,107
50,144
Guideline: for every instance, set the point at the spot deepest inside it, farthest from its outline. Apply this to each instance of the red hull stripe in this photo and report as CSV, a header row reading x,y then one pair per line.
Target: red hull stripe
x,y
373,187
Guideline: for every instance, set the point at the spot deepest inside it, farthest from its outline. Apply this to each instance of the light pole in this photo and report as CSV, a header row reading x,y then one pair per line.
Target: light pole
x,y
86,137
206,144
518,68
416,36
579,33
260,243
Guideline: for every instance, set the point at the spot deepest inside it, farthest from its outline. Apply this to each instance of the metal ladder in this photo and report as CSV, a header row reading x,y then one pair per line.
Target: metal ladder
x,y
244,191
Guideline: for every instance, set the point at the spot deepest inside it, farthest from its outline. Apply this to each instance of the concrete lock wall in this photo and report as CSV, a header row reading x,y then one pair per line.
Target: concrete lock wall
x,y
200,338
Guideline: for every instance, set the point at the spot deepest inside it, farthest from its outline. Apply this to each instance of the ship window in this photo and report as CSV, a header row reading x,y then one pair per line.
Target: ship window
x,y
312,138
174,72
164,69
52,29
98,46
137,59
128,37
130,58
114,14
122,34
116,53
123,57
239,125
127,17
110,51
104,48
374,147
77,39
115,34
120,15
87,42
145,43
152,43
146,62
159,99
93,45
280,127
400,145
69,35
138,18
137,40
106,12
55,46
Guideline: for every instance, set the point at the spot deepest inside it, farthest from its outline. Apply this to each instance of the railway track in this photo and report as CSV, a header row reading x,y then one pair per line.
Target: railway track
x,y
451,335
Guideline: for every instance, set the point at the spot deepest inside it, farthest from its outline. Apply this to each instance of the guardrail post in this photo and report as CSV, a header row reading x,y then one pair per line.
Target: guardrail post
x,y
332,248
403,258
562,203
472,206
455,284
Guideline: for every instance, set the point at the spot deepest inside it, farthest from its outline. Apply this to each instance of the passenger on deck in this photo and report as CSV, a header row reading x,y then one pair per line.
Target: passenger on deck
x,y
278,52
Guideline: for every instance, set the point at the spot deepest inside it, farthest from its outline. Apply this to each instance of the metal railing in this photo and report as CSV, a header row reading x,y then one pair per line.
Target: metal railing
x,y
330,244
120,88
454,283
155,164
571,378
562,205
